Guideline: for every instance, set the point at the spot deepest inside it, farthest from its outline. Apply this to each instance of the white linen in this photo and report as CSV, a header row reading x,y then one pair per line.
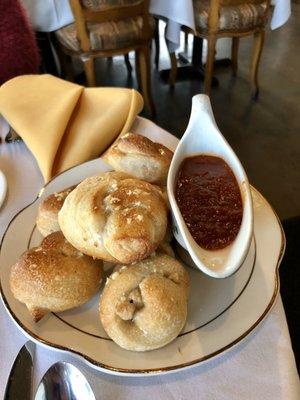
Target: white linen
x,y
262,367
176,13
48,15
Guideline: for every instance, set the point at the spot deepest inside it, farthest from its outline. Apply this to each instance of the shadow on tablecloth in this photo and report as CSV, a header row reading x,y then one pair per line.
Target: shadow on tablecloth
x,y
290,282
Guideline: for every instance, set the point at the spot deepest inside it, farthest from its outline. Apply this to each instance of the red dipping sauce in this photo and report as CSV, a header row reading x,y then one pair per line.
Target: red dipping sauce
x,y
210,201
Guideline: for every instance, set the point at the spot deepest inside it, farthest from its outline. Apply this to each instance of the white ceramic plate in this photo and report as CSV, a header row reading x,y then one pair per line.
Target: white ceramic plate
x,y
3,188
221,311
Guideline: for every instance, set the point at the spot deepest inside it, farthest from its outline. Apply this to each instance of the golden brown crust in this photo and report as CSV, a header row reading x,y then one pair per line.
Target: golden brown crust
x,y
140,157
114,217
54,277
47,219
144,305
36,312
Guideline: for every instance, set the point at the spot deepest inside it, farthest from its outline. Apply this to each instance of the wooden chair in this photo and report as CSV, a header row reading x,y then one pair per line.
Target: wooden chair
x,y
106,28
230,18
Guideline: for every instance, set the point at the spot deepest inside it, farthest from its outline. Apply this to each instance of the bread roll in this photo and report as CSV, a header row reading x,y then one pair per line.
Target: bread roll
x,y
144,306
140,157
54,277
47,219
114,217
166,248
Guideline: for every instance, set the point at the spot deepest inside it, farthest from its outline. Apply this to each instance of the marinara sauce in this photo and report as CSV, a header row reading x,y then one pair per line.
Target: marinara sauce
x,y
209,199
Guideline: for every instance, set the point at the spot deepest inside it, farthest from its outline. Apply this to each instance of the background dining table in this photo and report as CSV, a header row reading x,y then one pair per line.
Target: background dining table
x,y
50,15
261,367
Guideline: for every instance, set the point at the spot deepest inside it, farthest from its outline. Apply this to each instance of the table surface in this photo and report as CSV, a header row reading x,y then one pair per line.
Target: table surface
x,y
260,367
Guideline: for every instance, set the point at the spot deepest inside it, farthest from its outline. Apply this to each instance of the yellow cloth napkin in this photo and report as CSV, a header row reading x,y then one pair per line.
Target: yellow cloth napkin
x,y
64,124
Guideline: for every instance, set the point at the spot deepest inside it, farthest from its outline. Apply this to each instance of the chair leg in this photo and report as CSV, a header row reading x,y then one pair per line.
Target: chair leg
x,y
186,42
234,54
67,67
89,69
143,58
258,43
173,70
137,70
128,65
157,43
209,66
66,64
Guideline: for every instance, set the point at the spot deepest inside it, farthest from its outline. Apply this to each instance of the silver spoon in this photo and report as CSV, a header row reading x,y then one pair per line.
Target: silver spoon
x,y
63,381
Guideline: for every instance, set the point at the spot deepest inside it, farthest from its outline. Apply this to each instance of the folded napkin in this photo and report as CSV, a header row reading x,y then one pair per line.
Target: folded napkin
x,y
64,124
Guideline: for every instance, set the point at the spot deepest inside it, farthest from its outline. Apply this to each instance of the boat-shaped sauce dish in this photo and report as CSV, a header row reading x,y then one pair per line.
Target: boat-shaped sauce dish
x,y
202,137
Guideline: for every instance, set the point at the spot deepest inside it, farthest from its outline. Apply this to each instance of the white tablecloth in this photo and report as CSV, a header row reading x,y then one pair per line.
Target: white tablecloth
x,y
176,13
262,367
49,15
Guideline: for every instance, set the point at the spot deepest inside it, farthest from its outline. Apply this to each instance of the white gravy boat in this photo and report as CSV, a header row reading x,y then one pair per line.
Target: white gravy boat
x,y
202,136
